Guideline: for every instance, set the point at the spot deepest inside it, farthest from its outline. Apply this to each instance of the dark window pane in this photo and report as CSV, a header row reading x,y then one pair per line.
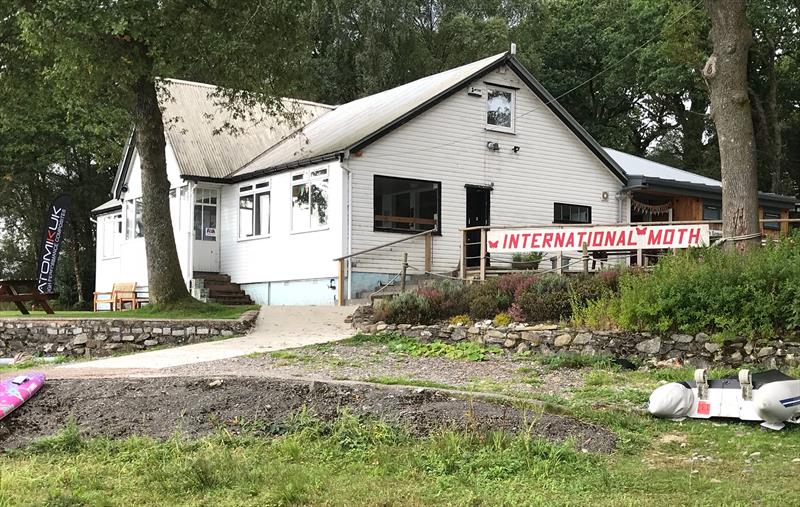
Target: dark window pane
x,y
405,205
571,214
771,213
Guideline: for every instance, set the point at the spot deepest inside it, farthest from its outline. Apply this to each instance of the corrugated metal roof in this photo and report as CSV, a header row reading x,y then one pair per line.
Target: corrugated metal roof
x,y
350,123
193,118
638,166
107,206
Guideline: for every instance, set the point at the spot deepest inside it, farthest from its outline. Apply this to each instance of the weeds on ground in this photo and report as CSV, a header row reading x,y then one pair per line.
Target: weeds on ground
x,y
399,344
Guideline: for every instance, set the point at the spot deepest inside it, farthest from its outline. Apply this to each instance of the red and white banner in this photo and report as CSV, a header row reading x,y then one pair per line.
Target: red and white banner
x,y
623,237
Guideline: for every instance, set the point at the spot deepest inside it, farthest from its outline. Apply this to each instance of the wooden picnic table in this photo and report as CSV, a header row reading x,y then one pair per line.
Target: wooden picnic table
x,y
20,292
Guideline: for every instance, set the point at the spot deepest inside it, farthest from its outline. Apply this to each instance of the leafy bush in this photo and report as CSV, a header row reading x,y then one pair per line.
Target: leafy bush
x,y
502,320
547,299
407,307
446,298
488,299
755,295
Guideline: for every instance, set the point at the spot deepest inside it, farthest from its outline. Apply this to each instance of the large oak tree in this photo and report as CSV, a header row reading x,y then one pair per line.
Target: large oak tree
x,y
118,51
726,73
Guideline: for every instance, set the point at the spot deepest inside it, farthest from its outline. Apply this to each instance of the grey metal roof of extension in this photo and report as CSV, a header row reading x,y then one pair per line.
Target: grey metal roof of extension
x,y
638,166
193,118
349,124
113,204
657,177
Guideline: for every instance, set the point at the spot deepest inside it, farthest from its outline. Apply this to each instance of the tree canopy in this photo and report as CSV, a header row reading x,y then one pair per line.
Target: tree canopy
x,y
72,74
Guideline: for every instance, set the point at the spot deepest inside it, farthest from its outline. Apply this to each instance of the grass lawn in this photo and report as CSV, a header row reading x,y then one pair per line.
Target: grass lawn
x,y
364,462
193,311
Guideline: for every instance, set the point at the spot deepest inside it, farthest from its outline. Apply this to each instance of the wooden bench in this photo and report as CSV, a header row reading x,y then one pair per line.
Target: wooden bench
x,y
120,295
20,292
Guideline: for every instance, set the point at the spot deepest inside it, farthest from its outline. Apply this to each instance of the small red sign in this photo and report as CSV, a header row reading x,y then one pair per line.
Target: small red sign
x,y
703,408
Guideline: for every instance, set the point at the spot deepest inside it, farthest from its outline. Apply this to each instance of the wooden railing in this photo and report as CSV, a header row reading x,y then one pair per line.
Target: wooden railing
x,y
428,236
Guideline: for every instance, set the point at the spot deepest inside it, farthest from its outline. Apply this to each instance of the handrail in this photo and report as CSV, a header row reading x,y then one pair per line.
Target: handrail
x,y
368,250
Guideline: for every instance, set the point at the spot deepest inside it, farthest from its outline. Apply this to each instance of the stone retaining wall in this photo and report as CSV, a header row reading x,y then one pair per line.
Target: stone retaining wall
x,y
99,337
697,350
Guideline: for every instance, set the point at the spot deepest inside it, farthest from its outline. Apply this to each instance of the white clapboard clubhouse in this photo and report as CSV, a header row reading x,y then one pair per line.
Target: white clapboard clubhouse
x,y
271,208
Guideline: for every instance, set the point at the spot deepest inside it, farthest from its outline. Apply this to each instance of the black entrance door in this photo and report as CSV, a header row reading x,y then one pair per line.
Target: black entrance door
x,y
477,215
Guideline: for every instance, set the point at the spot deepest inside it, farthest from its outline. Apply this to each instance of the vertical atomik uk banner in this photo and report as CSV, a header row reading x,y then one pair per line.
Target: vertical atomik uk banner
x,y
55,219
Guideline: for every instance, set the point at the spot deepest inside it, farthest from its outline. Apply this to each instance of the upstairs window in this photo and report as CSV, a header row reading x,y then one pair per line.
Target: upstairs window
x,y
772,214
406,205
133,219
571,214
500,109
310,200
254,210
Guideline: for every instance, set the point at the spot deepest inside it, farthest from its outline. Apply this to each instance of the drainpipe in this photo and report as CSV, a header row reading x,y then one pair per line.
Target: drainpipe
x,y
348,216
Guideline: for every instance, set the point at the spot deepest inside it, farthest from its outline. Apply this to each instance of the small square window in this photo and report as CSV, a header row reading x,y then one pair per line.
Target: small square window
x,y
500,109
772,214
571,214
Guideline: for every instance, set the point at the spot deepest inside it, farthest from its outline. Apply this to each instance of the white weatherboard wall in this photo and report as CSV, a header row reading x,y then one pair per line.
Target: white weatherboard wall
x,y
447,144
286,267
130,264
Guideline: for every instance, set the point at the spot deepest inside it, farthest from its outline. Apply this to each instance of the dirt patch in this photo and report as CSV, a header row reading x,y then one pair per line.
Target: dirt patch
x,y
196,406
500,372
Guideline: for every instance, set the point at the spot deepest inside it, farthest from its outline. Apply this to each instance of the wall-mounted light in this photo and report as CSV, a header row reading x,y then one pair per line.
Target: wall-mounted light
x,y
604,196
493,146
124,188
515,149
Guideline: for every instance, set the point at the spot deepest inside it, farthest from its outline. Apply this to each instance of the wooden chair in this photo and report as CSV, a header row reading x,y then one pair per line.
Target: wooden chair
x,y
121,293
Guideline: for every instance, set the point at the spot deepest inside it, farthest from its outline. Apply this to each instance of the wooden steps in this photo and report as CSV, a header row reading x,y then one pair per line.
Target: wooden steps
x,y
221,290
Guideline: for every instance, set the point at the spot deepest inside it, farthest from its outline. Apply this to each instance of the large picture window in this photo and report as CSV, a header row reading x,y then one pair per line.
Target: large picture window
x,y
406,205
254,210
571,214
500,109
133,219
310,200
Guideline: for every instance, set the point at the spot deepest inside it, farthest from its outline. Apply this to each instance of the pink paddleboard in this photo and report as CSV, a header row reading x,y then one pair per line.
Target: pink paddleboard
x,y
16,391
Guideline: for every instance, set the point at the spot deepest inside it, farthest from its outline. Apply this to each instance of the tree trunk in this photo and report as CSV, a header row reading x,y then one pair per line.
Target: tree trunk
x,y
166,284
76,272
726,74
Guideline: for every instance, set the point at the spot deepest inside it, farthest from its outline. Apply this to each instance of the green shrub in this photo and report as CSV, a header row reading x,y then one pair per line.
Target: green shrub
x,y
547,299
502,320
487,299
446,298
754,295
405,308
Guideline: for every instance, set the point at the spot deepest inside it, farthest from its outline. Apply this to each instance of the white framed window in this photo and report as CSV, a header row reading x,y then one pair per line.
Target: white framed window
x,y
112,235
500,106
133,219
205,214
310,200
254,210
